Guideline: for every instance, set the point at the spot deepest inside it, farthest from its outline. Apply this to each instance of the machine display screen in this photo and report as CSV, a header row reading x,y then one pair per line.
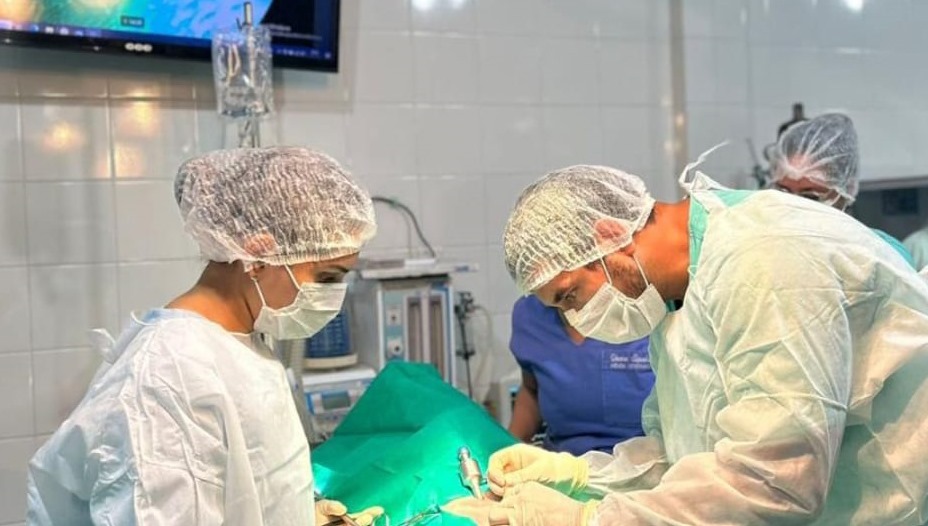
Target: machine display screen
x,y
336,400
304,33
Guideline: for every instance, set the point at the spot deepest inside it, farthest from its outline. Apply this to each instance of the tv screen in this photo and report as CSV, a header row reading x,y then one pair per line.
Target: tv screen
x,y
304,32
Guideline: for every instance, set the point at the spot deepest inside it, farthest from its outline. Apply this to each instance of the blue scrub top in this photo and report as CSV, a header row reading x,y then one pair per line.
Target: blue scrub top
x,y
590,395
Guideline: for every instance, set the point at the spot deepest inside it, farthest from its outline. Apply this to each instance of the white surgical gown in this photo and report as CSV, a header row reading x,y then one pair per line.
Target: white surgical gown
x,y
188,424
792,386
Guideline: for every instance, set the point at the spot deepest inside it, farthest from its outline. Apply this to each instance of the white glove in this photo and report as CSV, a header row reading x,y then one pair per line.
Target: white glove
x,y
530,504
522,463
331,510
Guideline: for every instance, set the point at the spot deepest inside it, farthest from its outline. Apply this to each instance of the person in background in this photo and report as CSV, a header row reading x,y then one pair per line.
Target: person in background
x,y
791,387
917,244
818,159
190,419
588,392
799,115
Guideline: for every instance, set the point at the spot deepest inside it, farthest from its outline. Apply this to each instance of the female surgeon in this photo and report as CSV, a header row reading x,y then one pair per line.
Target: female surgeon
x,y
191,419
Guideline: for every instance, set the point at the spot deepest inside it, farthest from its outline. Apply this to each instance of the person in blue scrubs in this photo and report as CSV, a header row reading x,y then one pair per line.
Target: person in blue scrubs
x,y
588,392
819,160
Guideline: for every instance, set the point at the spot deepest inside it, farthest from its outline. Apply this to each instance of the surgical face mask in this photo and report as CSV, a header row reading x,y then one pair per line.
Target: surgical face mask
x,y
613,317
315,305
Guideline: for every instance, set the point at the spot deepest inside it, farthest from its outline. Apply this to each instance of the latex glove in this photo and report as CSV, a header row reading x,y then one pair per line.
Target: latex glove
x,y
530,504
522,463
331,510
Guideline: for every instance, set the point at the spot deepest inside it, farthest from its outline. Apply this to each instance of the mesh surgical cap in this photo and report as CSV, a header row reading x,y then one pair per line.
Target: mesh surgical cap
x,y
279,206
823,150
553,227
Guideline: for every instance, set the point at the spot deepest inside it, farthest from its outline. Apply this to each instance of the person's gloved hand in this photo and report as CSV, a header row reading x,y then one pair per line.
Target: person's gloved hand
x,y
522,463
530,504
477,510
331,510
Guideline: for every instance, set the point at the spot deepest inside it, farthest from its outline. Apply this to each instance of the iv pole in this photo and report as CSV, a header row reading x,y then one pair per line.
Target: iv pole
x,y
249,130
242,75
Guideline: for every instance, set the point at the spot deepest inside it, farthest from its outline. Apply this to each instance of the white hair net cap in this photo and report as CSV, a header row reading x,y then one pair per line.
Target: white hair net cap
x,y
553,227
279,206
824,150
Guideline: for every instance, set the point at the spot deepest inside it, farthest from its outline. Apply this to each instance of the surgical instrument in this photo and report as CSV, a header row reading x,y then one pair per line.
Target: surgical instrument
x,y
470,472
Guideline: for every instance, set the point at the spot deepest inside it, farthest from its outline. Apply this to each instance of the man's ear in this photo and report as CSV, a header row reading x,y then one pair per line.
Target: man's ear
x,y
608,232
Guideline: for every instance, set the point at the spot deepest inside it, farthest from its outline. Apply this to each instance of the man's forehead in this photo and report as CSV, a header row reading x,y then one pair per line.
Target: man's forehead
x,y
808,182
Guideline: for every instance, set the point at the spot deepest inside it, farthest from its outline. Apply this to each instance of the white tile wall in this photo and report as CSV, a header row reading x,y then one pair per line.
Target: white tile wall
x,y
13,453
16,395
570,74
510,69
60,380
627,138
71,222
151,139
138,237
160,82
625,73
457,16
512,138
458,221
65,140
573,135
504,289
10,147
791,23
446,68
43,80
385,67
14,310
515,17
67,301
9,83
13,249
502,191
448,140
153,284
393,229
387,14
451,106
382,140
315,125
747,61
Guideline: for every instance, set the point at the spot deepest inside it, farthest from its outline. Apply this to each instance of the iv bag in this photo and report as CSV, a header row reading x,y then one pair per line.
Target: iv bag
x,y
242,71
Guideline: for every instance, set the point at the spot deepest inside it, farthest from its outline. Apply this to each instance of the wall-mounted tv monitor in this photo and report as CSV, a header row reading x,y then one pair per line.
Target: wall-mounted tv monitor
x,y
304,32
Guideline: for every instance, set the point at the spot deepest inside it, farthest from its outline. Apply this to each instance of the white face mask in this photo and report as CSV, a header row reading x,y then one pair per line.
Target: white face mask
x,y
315,305
613,317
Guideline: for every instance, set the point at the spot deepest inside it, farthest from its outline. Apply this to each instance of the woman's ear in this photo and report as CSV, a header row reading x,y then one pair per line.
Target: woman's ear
x,y
256,270
260,245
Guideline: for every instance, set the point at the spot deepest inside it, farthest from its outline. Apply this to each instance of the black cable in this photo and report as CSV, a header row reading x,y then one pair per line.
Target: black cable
x,y
466,354
462,312
409,213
